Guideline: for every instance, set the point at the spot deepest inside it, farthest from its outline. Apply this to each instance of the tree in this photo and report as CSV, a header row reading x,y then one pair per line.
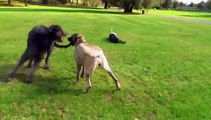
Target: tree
x,y
9,2
106,3
201,5
208,4
146,4
167,4
25,1
175,4
129,5
181,4
191,4
85,2
158,3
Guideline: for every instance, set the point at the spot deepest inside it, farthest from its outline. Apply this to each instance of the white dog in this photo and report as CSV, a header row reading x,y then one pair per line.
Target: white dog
x,y
89,57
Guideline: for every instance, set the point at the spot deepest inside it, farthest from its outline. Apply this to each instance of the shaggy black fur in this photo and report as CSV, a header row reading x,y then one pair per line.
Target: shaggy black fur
x,y
41,40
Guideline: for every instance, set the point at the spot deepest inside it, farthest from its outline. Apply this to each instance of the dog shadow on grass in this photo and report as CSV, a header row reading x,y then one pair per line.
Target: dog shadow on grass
x,y
46,84
52,84
57,85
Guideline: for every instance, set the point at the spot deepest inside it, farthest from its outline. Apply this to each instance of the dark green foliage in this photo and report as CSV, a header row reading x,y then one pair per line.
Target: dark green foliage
x,y
175,4
181,4
208,4
191,4
167,4
201,5
129,5
146,4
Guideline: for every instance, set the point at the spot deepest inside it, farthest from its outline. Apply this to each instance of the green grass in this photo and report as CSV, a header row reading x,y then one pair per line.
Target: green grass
x,y
187,14
164,68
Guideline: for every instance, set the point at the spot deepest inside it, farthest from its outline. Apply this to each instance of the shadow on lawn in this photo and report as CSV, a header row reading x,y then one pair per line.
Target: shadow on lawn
x,y
81,10
54,85
44,85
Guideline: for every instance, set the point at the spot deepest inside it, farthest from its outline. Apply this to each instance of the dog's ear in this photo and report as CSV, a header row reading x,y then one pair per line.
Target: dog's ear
x,y
52,28
79,39
56,29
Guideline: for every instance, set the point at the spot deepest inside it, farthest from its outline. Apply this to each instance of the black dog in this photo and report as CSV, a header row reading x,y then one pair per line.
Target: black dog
x,y
114,39
41,40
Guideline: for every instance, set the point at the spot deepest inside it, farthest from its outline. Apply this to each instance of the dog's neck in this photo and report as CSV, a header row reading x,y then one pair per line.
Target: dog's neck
x,y
80,40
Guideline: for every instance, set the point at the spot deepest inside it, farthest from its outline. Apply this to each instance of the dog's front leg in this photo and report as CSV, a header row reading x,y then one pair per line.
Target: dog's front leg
x,y
88,83
88,70
49,51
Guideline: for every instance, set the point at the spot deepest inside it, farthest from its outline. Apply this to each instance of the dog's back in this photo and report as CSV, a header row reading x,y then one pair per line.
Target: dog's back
x,y
87,52
39,38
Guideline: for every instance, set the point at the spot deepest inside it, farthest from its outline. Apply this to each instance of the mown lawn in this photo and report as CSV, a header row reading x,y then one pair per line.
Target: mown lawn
x,y
164,68
187,14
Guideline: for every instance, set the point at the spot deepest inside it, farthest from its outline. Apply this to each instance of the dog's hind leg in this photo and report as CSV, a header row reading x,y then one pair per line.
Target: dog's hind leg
x,y
32,71
109,71
23,59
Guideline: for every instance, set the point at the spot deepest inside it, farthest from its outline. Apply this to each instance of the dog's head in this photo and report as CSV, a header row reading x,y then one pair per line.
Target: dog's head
x,y
57,33
75,39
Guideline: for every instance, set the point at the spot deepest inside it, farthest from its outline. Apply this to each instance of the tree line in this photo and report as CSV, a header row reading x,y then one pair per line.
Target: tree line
x,y
127,5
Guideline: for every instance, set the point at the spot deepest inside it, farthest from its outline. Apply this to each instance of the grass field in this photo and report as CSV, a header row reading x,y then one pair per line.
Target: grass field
x,y
187,14
164,68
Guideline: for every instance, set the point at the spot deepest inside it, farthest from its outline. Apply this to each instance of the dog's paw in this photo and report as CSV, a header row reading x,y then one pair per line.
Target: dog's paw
x,y
87,90
118,86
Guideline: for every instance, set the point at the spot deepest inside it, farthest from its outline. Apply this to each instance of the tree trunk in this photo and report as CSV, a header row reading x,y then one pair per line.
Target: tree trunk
x,y
45,2
25,2
106,4
77,2
128,8
142,11
85,4
9,2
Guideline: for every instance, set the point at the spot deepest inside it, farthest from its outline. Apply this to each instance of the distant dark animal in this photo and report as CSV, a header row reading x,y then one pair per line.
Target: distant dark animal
x,y
41,40
114,38
89,57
